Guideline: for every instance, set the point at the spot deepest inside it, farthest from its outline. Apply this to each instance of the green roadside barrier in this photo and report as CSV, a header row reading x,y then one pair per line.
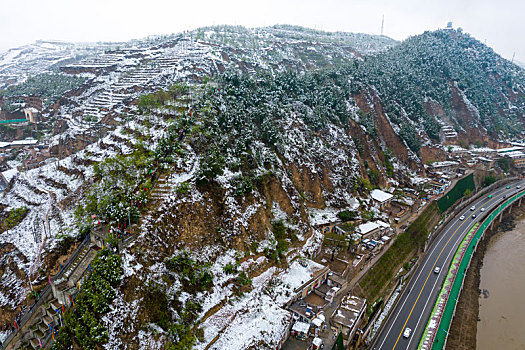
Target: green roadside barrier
x,y
458,191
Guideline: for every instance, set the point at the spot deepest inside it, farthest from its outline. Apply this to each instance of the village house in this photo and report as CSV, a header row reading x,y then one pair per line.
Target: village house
x,y
319,277
373,229
348,317
448,165
381,197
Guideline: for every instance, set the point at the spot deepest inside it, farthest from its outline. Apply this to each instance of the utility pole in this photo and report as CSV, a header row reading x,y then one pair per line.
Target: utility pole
x,y
382,24
512,60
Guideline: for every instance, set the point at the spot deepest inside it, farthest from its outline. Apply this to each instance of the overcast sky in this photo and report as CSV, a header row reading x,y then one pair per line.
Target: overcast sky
x,y
501,23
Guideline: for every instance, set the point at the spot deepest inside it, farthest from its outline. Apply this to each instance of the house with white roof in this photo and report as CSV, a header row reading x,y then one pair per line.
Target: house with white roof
x,y
372,229
382,197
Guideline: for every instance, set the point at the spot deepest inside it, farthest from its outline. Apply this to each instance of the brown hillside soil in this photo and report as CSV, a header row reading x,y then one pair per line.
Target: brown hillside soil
x,y
274,192
434,109
463,330
385,131
432,154
474,133
310,185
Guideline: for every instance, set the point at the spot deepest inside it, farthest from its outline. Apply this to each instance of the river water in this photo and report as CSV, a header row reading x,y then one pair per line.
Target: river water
x,y
502,284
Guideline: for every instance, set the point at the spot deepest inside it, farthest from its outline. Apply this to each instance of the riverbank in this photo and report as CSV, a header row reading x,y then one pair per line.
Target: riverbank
x,y
463,330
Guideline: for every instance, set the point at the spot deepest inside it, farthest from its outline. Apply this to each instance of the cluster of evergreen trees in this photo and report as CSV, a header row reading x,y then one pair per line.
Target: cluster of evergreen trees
x,y
49,86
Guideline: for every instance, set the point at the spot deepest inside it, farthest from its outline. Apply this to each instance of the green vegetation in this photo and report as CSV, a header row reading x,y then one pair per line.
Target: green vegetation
x,y
15,216
346,215
404,246
281,234
164,309
123,182
147,103
194,277
229,268
374,176
82,322
505,164
388,162
49,86
243,279
422,68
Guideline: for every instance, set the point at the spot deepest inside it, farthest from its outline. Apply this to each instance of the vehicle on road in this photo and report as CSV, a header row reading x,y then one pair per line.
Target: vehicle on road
x,y
504,196
490,196
473,208
407,332
482,209
462,217
437,269
518,187
473,216
508,186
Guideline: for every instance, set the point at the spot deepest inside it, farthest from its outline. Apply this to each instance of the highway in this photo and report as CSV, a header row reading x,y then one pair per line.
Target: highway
x,y
417,300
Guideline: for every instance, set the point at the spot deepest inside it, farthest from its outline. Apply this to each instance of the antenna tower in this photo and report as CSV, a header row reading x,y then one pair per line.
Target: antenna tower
x,y
382,24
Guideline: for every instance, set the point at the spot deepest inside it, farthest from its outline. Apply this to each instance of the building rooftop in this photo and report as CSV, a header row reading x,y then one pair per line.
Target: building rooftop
x,y
9,174
510,149
307,310
301,327
349,310
367,228
381,196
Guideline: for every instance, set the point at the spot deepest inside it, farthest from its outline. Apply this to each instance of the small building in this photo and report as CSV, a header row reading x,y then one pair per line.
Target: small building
x,y
382,197
318,277
300,330
317,343
448,165
348,317
31,114
9,174
437,187
368,229
517,157
317,325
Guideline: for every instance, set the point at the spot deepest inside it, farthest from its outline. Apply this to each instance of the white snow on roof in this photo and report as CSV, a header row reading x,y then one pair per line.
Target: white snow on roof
x,y
382,223
443,164
9,174
24,142
381,196
317,322
368,227
317,342
482,150
301,327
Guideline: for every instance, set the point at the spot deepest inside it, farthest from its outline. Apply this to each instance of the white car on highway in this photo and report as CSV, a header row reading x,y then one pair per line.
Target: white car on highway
x,y
437,269
407,332
482,209
473,208
462,217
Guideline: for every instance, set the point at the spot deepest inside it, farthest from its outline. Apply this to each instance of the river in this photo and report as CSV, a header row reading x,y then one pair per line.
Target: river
x,y
502,283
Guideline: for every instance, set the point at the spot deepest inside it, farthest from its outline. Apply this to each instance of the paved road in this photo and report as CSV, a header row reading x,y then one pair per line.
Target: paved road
x,y
416,302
